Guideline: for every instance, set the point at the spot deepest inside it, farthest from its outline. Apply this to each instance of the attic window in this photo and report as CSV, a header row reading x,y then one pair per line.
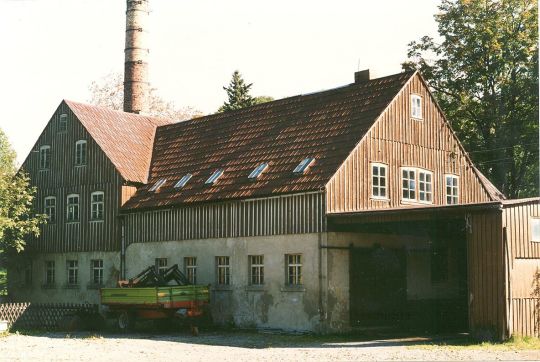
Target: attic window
x,y
212,179
183,181
302,166
62,123
158,184
256,172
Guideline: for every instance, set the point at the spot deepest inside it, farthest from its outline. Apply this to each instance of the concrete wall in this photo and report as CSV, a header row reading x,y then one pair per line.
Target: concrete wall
x,y
84,292
273,305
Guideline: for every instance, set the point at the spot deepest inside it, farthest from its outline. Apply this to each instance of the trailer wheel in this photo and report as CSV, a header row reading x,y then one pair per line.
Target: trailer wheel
x,y
126,321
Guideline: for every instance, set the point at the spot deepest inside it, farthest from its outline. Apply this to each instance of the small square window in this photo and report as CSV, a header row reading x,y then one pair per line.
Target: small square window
x,y
535,229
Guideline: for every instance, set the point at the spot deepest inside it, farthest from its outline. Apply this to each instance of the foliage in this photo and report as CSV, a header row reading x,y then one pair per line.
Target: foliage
x,y
109,93
16,217
237,94
3,281
484,73
262,99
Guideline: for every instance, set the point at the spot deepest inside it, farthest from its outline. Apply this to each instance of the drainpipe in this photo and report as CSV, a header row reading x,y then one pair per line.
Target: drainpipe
x,y
122,251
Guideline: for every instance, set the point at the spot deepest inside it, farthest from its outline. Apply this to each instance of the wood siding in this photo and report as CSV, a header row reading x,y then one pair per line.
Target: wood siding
x,y
64,178
288,214
398,140
486,274
523,273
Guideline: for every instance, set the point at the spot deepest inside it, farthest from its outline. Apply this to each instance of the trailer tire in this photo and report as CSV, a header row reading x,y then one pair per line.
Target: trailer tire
x,y
126,321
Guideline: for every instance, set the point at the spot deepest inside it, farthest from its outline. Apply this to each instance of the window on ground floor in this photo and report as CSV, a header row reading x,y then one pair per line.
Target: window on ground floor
x,y
161,265
96,271
49,272
190,268
223,270
293,269
256,269
72,272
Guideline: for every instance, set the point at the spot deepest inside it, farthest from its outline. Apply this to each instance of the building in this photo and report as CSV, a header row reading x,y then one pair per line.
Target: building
x,y
352,207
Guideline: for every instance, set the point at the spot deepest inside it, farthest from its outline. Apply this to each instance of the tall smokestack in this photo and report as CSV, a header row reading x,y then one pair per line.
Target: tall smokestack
x,y
136,57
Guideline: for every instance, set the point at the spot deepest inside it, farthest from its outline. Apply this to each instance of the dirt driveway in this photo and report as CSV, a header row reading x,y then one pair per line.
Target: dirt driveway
x,y
243,346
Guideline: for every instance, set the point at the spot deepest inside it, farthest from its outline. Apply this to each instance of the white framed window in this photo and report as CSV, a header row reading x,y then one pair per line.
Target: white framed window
x,y
50,208
535,229
257,171
416,106
97,205
183,181
304,165
161,265
408,184
452,189
96,271
45,157
214,177
425,186
256,269
157,185
80,153
293,264
190,268
62,123
223,270
72,209
379,174
72,272
50,272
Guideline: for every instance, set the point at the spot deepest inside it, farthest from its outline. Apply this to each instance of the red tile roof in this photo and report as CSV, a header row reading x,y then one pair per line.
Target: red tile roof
x,y
126,138
325,125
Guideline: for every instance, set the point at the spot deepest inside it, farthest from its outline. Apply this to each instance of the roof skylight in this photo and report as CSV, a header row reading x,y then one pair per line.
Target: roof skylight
x,y
258,170
302,166
212,179
158,184
183,181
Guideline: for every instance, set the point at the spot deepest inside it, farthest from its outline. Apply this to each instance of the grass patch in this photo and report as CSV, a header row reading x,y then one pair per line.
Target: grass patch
x,y
512,344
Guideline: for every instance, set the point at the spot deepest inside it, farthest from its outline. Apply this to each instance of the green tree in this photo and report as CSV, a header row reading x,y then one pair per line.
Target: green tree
x,y
237,94
484,73
262,99
17,220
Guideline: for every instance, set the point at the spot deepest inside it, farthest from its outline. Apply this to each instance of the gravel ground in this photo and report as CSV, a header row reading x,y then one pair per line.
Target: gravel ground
x,y
240,346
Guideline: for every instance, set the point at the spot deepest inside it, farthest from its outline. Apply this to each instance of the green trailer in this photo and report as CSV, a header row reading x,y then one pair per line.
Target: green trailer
x,y
130,302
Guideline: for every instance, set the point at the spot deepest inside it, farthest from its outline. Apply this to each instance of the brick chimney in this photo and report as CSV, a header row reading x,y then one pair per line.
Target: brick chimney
x,y
361,76
136,57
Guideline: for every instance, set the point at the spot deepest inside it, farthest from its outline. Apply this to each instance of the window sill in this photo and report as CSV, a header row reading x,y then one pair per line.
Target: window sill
x,y
72,286
256,288
44,169
222,288
419,119
73,222
97,221
293,288
384,199
80,166
48,286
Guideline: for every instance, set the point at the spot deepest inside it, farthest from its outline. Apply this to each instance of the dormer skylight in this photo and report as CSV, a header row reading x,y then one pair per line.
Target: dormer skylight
x,y
212,179
257,171
302,166
183,181
158,184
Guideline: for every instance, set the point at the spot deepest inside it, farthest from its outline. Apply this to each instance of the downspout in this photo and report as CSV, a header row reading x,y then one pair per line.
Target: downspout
x,y
122,250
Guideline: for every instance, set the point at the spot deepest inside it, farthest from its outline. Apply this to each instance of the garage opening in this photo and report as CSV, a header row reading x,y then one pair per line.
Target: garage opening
x,y
410,276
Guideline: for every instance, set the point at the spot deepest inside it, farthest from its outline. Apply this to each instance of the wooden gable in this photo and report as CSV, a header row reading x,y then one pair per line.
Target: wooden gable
x,y
398,140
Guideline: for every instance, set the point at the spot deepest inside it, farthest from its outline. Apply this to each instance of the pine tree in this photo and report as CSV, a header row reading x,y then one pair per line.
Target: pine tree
x,y
237,93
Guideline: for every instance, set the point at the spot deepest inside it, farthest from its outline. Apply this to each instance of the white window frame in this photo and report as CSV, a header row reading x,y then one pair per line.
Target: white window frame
x,y
409,189
190,269
157,185
45,157
454,195
535,224
97,208
50,209
416,110
72,274
63,120
293,269
258,171
214,177
50,273
183,181
304,165
161,264
426,192
223,270
256,269
378,187
96,269
71,207
81,153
